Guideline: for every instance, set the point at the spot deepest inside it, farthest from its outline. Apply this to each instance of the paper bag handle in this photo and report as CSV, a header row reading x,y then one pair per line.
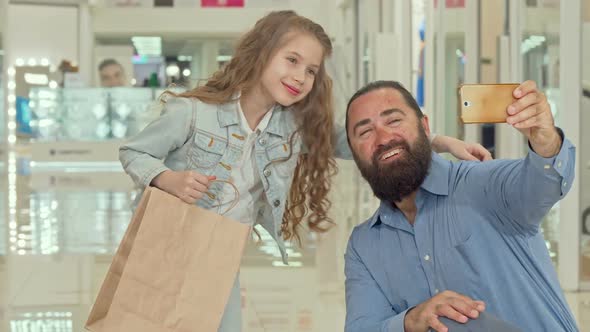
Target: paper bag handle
x,y
233,203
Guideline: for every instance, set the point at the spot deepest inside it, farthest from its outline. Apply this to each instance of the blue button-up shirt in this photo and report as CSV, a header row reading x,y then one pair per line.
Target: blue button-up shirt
x,y
476,233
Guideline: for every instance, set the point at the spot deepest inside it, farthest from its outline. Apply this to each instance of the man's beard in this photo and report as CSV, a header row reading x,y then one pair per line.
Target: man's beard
x,y
395,180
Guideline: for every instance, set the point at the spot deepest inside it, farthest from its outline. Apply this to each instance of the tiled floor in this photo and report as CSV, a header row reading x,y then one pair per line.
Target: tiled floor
x,y
60,228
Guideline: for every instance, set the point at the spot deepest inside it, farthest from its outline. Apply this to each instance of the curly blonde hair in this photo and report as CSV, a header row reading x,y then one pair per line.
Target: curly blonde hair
x,y
308,196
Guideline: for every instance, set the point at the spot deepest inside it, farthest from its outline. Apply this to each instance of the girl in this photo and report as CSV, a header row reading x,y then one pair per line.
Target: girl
x,y
264,122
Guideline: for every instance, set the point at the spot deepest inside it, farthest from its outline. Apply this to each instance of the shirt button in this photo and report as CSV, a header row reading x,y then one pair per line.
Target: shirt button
x,y
267,172
559,164
276,203
436,291
564,183
427,258
262,141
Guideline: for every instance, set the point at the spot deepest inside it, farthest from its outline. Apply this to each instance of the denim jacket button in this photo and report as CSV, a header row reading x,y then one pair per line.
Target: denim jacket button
x,y
267,172
262,141
276,203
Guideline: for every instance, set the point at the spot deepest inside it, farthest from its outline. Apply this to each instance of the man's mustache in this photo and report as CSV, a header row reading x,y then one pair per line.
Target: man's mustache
x,y
394,143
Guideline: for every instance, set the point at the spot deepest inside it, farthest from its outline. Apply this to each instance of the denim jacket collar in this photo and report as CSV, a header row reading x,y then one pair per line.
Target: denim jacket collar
x,y
227,114
281,122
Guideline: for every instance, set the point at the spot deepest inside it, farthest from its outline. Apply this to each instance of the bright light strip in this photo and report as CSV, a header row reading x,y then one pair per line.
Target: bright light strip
x,y
36,79
148,45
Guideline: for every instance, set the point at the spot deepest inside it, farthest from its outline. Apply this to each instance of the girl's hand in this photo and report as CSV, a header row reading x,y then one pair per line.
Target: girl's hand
x,y
189,186
460,149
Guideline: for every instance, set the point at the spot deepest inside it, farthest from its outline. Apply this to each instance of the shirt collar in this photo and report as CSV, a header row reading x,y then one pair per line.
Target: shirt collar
x,y
436,182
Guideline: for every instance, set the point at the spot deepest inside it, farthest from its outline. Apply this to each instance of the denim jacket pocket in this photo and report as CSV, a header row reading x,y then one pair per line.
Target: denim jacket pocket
x,y
283,158
206,150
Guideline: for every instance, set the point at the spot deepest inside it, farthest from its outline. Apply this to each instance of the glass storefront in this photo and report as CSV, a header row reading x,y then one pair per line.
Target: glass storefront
x,y
540,63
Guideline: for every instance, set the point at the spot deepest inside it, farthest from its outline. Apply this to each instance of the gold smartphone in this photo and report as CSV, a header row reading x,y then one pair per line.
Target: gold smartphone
x,y
485,103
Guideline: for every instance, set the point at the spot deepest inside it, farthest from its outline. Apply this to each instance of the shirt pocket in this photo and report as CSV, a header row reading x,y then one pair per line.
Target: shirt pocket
x,y
457,266
206,150
400,306
283,158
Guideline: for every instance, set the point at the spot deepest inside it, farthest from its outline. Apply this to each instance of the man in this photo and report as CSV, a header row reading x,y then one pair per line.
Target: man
x,y
111,73
453,243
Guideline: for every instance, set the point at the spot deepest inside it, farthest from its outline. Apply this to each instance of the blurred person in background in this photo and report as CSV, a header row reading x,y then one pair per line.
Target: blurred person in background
x,y
111,73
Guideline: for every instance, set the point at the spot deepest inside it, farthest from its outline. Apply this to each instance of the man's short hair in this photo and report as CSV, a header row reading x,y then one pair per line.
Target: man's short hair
x,y
377,85
108,62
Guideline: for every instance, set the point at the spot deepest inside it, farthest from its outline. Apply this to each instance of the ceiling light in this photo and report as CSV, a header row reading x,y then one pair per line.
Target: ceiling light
x,y
148,45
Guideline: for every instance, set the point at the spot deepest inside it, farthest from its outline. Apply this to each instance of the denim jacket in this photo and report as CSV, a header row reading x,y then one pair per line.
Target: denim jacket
x,y
206,138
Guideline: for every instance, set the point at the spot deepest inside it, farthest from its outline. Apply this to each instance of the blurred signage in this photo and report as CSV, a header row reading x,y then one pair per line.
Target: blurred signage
x,y
452,3
222,3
